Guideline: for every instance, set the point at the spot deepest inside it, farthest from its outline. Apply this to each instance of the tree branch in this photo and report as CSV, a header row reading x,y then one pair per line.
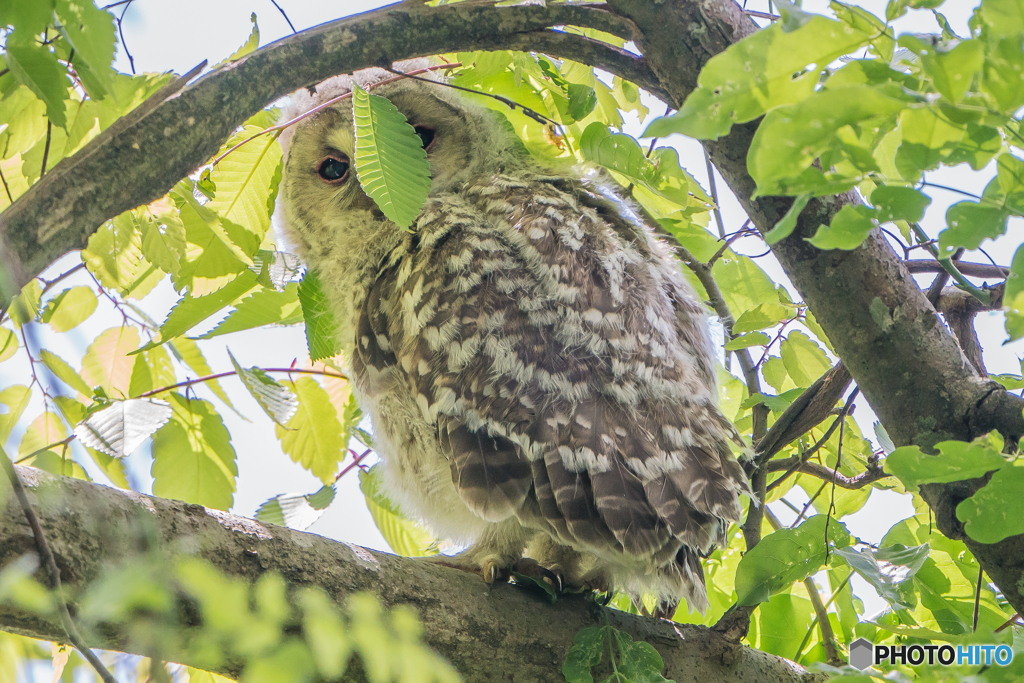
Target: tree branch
x,y
983,270
168,137
909,367
865,478
486,634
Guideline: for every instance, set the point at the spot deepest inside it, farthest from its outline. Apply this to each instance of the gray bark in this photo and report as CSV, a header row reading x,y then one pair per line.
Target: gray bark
x,y
501,634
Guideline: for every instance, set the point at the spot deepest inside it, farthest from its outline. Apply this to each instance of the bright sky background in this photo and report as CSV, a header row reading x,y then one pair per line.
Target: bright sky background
x,y
177,36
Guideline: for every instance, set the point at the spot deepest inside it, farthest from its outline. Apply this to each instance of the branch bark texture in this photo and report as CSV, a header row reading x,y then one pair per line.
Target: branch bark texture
x,y
501,634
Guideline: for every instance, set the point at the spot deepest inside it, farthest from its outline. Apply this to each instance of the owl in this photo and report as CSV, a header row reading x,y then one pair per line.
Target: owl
x,y
537,370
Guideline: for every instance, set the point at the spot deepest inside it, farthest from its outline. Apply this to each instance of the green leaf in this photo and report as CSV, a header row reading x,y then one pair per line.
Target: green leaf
x,y
895,202
782,623
791,137
251,43
761,317
38,69
107,362
296,511
1001,71
187,351
25,306
16,398
217,249
786,556
313,437
761,72
1015,282
582,101
747,340
193,459
406,538
804,360
192,310
953,71
1003,17
787,224
956,461
849,228
28,18
638,661
248,178
586,652
121,428
152,370
888,569
114,251
970,224
262,307
321,327
996,511
69,309
163,243
390,160
928,137
1011,183
743,283
277,401
64,372
8,344
90,32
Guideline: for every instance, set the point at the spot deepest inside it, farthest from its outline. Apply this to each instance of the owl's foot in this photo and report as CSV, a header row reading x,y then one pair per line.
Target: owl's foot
x,y
531,569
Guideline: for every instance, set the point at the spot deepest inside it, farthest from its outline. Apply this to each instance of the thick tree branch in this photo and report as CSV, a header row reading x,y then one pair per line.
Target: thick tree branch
x,y
486,634
174,135
909,367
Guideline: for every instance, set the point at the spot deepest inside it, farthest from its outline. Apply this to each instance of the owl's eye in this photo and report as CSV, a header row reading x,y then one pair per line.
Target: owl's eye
x,y
333,170
426,134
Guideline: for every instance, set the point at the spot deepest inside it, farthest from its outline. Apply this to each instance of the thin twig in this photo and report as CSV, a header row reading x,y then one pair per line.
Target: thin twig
x,y
48,560
209,378
958,277
63,442
1012,621
48,284
131,60
742,232
290,24
982,270
46,148
328,103
821,442
814,622
808,505
714,195
6,188
977,598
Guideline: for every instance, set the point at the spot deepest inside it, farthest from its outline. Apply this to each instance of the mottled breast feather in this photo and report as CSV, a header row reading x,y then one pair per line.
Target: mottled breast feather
x,y
565,363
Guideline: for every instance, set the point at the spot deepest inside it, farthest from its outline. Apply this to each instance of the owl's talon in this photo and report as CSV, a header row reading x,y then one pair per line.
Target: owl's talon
x,y
530,568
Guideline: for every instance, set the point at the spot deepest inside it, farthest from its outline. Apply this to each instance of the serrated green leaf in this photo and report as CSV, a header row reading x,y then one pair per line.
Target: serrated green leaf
x,y
114,252
64,372
163,242
321,327
406,538
804,360
848,230
970,224
622,154
262,307
28,18
69,309
996,511
192,310
193,459
276,400
90,32
747,340
38,69
956,461
390,160
121,428
107,362
765,70
786,556
217,249
895,202
250,44
187,351
25,306
152,370
44,430
761,317
247,180
313,437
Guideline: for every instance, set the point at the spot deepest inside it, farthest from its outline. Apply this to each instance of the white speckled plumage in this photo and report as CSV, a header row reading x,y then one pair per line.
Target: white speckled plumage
x,y
537,370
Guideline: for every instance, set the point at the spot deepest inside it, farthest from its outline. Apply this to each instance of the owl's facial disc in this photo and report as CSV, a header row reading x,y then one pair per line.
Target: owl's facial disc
x,y
333,169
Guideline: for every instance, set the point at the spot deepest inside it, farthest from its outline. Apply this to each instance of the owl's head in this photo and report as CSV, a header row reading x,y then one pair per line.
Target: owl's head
x,y
323,200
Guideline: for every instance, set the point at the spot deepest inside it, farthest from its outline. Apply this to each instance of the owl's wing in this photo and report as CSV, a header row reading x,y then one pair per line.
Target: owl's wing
x,y
567,386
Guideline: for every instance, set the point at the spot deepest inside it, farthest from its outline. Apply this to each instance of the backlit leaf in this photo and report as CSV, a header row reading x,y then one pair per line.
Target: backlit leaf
x,y
406,538
996,511
106,362
848,230
321,327
295,510
121,428
956,461
390,160
313,435
277,401
69,309
64,372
